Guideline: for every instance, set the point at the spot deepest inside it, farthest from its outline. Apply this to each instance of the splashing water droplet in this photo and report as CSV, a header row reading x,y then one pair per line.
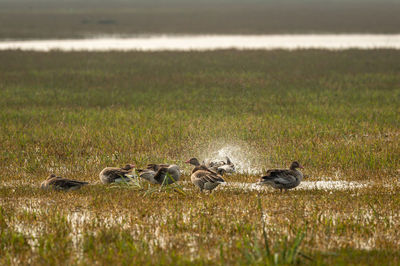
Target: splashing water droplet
x,y
242,156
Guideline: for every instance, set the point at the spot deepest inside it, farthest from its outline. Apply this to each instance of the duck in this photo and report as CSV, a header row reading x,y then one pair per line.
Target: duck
x,y
204,178
59,183
197,166
222,166
116,175
283,178
147,174
214,164
160,173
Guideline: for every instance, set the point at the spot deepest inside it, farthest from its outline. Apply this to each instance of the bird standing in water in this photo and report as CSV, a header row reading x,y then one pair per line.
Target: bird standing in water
x,y
204,178
283,178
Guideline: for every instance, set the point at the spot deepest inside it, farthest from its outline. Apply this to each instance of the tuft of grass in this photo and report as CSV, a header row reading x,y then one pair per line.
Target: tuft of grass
x,y
283,252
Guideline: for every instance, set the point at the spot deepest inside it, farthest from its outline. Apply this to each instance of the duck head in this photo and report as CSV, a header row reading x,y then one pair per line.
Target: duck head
x,y
128,167
296,165
51,176
193,161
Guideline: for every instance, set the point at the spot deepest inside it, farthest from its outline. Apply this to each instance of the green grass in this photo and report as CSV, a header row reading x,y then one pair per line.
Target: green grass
x,y
75,113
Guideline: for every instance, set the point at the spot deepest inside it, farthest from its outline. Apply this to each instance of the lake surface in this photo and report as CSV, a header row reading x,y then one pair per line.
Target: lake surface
x,y
211,42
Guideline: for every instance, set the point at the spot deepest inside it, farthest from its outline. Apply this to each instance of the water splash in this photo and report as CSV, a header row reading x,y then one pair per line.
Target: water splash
x,y
245,159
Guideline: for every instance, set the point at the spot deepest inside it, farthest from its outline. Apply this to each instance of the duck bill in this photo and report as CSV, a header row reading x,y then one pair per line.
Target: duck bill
x,y
260,182
301,167
188,161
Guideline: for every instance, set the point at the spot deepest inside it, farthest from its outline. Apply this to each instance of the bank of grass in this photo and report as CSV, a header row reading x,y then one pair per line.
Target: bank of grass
x,y
75,113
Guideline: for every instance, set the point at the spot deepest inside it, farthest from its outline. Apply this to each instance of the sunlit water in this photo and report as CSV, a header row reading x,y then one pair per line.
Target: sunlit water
x,y
212,42
305,185
81,221
241,155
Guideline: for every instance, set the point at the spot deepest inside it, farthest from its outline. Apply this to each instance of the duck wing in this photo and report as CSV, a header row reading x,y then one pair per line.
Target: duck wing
x,y
148,174
160,174
208,177
280,176
64,183
229,168
156,167
202,167
116,173
214,164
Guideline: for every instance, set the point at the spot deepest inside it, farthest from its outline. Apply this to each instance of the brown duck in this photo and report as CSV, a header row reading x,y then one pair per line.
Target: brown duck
x,y
59,183
116,175
197,166
204,178
160,173
222,166
283,178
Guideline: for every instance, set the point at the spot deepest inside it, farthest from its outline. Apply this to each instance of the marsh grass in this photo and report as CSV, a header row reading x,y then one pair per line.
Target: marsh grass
x,y
96,225
75,113
283,252
167,187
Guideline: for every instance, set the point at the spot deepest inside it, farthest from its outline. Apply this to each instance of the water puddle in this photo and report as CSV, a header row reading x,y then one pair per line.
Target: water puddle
x,y
211,42
305,185
154,229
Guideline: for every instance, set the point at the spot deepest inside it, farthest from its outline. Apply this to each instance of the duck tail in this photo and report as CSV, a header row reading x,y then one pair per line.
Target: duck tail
x,y
266,178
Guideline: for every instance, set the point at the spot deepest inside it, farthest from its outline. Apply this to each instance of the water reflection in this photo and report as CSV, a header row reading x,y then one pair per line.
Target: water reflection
x,y
212,42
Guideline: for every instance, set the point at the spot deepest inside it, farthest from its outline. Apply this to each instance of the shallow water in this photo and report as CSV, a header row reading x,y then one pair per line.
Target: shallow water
x,y
305,185
212,42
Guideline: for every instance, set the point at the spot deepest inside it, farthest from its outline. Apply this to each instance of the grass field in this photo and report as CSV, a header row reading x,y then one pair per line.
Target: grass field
x,y
75,113
24,19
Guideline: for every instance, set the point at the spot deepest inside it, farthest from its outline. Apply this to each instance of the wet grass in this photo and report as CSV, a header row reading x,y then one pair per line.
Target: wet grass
x,y
75,113
96,225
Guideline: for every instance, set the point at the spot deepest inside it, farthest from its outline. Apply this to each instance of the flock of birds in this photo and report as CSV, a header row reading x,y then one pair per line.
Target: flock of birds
x,y
205,176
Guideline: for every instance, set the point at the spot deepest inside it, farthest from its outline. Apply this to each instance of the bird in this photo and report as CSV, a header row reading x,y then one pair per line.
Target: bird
x,y
160,173
197,166
116,175
148,174
156,167
214,164
204,178
283,178
59,183
227,166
